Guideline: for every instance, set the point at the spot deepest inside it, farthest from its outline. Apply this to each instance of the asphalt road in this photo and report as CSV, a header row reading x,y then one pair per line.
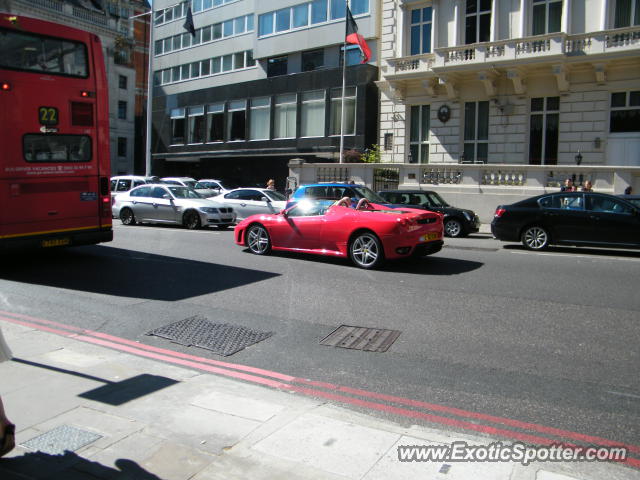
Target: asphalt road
x,y
549,338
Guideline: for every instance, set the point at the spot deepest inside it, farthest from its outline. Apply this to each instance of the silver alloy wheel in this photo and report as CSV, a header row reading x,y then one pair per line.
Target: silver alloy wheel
x,y
453,228
258,240
191,220
535,238
365,250
127,217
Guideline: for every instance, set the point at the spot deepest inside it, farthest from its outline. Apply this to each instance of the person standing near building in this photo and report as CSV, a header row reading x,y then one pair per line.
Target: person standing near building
x,y
568,186
271,184
587,187
7,429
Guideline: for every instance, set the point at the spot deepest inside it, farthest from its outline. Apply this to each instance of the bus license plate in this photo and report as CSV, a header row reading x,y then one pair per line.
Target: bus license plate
x,y
56,242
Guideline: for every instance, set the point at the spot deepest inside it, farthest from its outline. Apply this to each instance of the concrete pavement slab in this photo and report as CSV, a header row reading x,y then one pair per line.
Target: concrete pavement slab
x,y
240,406
328,444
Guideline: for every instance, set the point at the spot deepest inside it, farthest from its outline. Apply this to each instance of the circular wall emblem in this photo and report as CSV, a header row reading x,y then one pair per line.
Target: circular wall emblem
x,y
444,113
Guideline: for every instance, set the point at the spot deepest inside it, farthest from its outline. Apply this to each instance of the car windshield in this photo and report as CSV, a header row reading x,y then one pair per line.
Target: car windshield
x,y
184,192
436,200
197,185
635,201
190,184
365,192
277,196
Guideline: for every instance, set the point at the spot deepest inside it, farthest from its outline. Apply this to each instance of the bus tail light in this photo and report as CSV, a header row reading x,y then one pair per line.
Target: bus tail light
x,y
82,114
105,197
6,86
87,94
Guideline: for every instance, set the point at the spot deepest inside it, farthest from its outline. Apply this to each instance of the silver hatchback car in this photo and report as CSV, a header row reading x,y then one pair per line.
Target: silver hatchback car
x,y
171,204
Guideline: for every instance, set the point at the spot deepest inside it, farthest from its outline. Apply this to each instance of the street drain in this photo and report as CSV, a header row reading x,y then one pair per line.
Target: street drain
x,y
361,338
61,439
220,338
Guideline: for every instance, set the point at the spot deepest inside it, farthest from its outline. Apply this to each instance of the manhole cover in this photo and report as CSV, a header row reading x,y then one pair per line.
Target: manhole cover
x,y
61,439
220,338
361,338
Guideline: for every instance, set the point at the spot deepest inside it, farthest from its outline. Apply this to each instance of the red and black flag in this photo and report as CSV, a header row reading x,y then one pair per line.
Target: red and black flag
x,y
188,24
355,38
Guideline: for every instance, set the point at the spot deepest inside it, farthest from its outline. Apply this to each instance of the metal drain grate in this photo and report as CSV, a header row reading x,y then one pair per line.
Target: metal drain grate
x,y
220,338
61,439
361,338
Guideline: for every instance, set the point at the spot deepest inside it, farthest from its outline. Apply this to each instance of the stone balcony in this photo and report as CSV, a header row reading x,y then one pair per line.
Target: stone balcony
x,y
518,52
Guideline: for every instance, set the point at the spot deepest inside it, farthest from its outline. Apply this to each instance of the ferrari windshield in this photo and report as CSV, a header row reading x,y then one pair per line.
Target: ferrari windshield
x,y
365,192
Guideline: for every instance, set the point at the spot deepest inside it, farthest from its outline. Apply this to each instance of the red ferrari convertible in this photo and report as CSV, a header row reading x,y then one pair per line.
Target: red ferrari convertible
x,y
367,236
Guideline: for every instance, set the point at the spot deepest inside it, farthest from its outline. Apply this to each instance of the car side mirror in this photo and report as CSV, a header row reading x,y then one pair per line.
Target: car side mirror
x,y
284,212
265,199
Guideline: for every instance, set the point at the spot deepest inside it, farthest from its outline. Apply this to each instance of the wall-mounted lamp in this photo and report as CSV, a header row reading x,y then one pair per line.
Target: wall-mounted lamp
x,y
578,158
597,142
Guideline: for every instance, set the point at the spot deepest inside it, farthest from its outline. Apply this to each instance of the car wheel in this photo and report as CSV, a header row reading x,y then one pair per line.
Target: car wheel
x,y
366,251
453,228
535,238
222,227
191,220
258,240
127,217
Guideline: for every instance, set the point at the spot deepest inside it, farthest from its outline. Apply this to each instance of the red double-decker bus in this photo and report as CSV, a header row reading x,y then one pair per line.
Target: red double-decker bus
x,y
54,136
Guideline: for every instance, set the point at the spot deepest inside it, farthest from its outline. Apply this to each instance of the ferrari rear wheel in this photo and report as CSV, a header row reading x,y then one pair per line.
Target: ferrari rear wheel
x,y
366,250
258,240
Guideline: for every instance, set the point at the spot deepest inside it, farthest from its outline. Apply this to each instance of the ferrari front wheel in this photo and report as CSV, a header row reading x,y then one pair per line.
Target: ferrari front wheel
x,y
258,240
366,251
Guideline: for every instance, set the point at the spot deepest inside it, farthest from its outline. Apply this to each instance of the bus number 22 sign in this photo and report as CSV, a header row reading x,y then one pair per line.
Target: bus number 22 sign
x,y
48,115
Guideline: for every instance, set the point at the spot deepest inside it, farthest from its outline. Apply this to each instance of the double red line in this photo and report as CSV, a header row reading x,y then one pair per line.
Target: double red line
x,y
518,430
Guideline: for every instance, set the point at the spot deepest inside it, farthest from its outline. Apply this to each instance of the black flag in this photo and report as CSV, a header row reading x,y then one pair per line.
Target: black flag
x,y
188,24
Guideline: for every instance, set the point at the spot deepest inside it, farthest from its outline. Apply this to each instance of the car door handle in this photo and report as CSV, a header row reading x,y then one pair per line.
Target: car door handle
x,y
243,204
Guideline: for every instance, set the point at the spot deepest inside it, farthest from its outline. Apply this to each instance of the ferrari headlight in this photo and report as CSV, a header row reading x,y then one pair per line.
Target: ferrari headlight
x,y
209,210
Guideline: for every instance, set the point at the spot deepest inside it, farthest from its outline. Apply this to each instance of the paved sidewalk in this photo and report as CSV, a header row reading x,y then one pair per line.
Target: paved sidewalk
x,y
108,414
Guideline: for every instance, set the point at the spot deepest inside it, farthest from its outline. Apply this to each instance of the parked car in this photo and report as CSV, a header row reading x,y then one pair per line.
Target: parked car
x,y
253,201
171,204
367,237
569,218
336,191
220,186
124,183
190,183
458,222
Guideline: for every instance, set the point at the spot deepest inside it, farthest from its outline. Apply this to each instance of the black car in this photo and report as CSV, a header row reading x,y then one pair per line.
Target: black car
x,y
635,199
457,221
569,218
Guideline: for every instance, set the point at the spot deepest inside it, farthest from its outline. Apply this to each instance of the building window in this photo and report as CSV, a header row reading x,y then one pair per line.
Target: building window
x,y
421,30
284,121
478,21
122,82
547,16
177,126
260,117
476,131
625,112
215,122
276,66
122,146
543,142
349,110
627,13
354,55
419,134
237,120
312,112
319,11
312,60
122,110
196,124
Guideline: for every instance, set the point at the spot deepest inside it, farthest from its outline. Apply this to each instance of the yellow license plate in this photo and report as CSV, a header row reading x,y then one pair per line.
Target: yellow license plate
x,y
56,242
427,237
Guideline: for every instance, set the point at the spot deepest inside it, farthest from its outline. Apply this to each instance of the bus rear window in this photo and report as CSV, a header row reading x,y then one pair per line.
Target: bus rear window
x,y
36,53
57,148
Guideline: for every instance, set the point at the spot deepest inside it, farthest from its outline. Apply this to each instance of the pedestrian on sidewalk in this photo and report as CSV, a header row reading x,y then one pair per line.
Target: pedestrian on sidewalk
x,y
628,190
7,429
568,186
271,184
587,187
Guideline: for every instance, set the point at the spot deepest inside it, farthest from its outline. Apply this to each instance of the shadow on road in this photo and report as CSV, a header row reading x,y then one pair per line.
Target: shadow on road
x,y
601,252
126,273
40,465
431,265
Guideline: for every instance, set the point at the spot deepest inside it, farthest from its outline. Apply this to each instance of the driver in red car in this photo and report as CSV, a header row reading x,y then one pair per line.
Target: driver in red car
x,y
363,203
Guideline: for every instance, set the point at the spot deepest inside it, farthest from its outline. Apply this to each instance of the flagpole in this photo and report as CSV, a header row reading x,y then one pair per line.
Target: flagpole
x,y
344,81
